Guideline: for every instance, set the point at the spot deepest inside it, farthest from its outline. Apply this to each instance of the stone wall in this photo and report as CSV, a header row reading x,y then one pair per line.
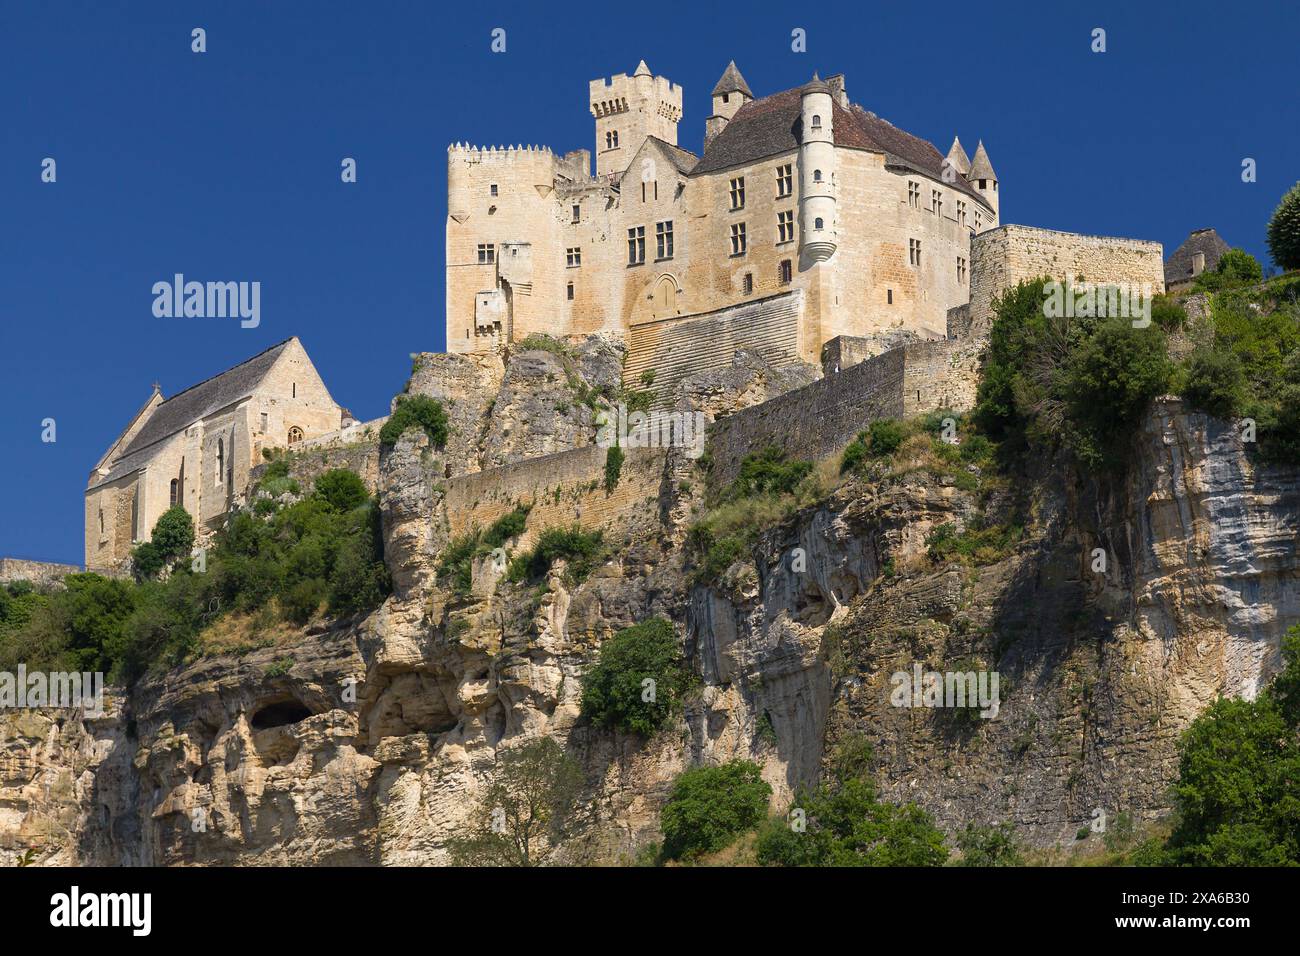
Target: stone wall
x,y
563,489
819,419
309,463
41,574
845,350
1003,257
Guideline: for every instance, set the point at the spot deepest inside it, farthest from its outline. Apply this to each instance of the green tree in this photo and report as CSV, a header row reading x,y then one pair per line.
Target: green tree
x,y
1216,382
173,533
614,692
1238,789
710,806
416,411
1236,267
1284,230
989,846
527,811
342,489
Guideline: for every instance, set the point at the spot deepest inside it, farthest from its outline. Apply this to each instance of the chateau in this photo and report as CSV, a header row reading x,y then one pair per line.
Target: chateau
x,y
196,448
806,217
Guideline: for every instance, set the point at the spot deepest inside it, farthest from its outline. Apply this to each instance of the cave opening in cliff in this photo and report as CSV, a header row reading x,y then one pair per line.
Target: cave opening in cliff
x,y
279,714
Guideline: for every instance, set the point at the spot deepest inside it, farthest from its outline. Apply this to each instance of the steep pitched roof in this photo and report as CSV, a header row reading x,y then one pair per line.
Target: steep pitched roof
x,y
211,395
1178,267
958,158
732,82
980,167
682,159
772,125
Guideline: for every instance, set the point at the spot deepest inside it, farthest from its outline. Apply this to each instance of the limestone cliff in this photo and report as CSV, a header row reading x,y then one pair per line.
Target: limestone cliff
x,y
365,743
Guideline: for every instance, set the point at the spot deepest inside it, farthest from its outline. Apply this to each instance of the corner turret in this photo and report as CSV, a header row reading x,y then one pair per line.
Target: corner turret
x,y
984,179
817,212
729,94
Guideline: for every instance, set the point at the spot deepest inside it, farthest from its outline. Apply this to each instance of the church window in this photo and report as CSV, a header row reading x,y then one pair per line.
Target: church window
x,y
569,291
664,239
787,271
914,194
784,180
961,269
577,213
573,257
738,193
817,122
738,239
817,223
493,188
914,252
636,245
785,227
174,493
221,460
295,435
487,253
748,283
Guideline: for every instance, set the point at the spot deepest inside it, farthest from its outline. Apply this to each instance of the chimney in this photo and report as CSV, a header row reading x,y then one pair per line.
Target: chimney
x,y
836,83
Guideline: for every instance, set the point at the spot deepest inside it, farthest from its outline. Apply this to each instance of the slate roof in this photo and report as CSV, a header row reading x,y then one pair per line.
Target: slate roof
x,y
197,401
683,159
1178,267
980,167
772,125
732,82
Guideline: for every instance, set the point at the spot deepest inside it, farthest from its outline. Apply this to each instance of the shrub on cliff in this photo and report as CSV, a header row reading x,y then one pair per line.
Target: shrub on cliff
x,y
581,550
615,693
1237,797
1215,382
710,806
844,824
1236,267
1284,230
341,489
412,411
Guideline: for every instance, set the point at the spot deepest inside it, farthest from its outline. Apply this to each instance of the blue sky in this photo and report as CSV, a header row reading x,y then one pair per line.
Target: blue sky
x,y
225,165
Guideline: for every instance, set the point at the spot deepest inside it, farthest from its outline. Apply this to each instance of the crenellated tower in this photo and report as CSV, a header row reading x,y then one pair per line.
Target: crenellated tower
x,y
627,110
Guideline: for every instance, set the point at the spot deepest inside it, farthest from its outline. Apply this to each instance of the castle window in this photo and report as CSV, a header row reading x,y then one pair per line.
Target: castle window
x,y
787,271
636,245
889,297
817,224
936,202
263,423
611,139
785,227
738,245
961,212
573,257
977,220
101,520
961,269
569,291
295,435
738,193
724,97
664,239
221,460
784,180
577,213
493,189
174,493
817,175
914,252
748,283
817,122
914,194
487,253
983,183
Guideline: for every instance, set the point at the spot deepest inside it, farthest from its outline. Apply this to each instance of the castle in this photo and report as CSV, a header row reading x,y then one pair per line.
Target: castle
x,y
806,217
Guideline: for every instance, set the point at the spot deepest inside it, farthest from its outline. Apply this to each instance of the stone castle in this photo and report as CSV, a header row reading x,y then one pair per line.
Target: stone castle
x,y
806,217
810,233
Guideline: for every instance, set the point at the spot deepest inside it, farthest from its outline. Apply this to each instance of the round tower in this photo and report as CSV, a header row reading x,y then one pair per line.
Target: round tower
x,y
984,179
817,214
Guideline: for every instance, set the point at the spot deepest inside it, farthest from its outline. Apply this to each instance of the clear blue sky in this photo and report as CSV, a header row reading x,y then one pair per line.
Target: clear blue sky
x,y
225,165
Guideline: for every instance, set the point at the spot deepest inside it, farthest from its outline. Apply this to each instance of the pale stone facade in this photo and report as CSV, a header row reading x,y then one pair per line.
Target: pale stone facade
x,y
799,191
196,448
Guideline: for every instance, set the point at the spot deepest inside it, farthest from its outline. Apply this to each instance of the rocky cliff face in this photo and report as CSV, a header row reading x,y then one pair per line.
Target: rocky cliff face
x,y
367,742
